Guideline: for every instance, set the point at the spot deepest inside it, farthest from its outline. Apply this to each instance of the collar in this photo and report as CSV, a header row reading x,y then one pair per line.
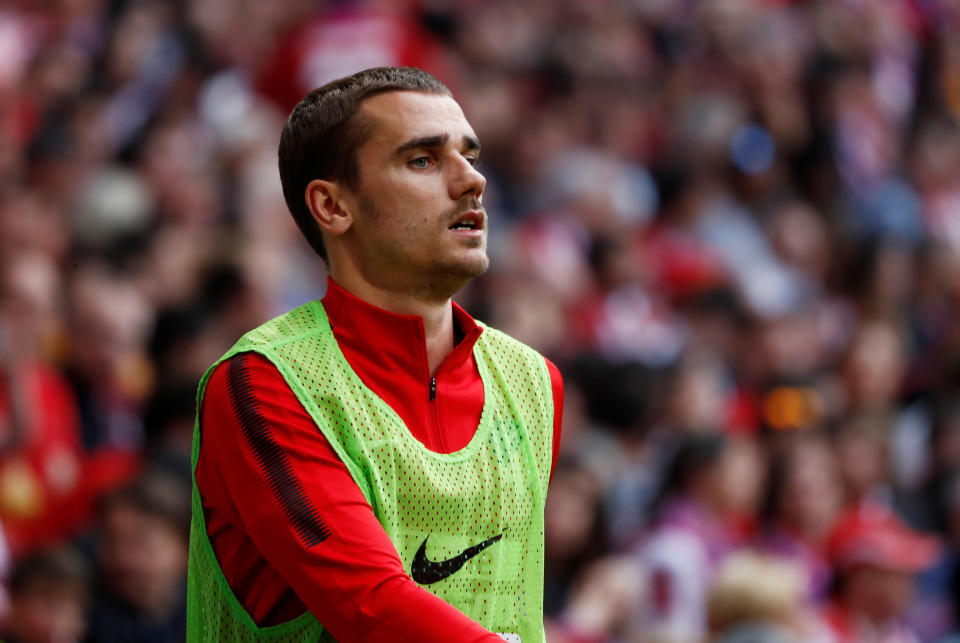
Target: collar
x,y
397,340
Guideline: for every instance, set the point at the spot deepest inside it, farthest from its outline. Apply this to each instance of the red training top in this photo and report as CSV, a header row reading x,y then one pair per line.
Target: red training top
x,y
353,580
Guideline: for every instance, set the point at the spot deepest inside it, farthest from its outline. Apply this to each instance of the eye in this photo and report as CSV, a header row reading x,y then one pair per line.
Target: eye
x,y
471,159
421,162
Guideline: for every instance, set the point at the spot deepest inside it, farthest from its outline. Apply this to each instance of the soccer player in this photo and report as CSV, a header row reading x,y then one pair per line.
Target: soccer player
x,y
373,466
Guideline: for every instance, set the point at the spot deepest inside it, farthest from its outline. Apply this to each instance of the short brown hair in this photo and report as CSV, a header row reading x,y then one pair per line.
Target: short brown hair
x,y
62,566
155,492
321,136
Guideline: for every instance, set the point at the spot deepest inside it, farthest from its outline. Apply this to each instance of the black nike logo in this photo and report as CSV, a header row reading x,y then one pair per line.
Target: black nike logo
x,y
425,571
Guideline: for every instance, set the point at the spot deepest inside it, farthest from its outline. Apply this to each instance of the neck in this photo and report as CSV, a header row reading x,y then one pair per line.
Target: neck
x,y
436,311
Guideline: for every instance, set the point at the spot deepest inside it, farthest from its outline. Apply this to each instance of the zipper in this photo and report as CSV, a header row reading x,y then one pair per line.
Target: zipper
x,y
441,444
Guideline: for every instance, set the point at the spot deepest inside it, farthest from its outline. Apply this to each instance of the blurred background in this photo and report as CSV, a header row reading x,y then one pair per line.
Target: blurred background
x,y
733,224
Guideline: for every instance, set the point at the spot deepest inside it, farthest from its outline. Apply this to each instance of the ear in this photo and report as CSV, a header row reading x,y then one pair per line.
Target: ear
x,y
326,200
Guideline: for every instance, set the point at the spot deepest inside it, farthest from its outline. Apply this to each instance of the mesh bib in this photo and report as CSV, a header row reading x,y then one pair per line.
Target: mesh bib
x,y
467,525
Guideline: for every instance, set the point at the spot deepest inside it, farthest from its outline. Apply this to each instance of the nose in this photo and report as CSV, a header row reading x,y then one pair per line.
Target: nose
x,y
465,179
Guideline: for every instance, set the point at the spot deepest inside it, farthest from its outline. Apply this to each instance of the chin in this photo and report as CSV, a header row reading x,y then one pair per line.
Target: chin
x,y
476,266
457,273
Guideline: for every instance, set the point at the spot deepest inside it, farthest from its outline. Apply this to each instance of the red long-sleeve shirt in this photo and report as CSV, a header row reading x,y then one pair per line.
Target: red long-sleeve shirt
x,y
353,581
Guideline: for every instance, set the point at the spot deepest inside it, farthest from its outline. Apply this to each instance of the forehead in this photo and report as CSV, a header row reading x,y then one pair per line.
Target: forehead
x,y
399,116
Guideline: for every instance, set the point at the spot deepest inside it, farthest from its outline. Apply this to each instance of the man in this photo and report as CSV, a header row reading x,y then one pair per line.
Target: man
x,y
142,558
373,467
49,596
876,557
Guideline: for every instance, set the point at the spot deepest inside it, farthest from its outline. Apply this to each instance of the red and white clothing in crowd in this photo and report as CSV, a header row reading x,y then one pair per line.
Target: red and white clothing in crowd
x,y
682,554
343,40
48,482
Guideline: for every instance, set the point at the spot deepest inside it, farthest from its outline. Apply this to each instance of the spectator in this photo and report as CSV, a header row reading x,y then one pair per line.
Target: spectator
x,y
803,499
49,595
142,562
602,606
876,558
42,486
707,487
758,598
573,529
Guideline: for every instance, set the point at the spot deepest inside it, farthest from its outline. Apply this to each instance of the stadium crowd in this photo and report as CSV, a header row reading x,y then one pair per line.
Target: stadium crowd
x,y
733,224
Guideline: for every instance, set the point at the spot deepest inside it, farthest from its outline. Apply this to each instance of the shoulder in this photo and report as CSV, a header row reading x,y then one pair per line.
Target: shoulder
x,y
233,385
306,319
499,341
246,366
517,354
255,351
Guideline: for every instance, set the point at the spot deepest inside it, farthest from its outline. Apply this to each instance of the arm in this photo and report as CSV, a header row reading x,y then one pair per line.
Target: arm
x,y
556,385
305,516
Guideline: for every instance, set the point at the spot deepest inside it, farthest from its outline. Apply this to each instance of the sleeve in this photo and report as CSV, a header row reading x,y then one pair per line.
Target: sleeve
x,y
308,519
556,384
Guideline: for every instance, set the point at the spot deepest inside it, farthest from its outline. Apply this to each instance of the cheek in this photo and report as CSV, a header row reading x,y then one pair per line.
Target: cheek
x,y
399,185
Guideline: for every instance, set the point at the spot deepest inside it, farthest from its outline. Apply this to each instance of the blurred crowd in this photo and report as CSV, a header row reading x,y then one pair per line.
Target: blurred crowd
x,y
733,224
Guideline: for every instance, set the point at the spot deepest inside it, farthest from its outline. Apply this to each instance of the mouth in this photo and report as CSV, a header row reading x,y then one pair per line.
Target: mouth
x,y
469,221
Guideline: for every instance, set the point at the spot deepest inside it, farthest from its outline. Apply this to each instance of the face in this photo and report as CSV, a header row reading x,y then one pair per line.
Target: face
x,y
48,611
143,557
879,594
417,222
812,495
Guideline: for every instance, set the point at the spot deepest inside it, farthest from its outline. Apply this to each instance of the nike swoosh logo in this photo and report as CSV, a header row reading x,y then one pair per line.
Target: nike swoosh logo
x,y
425,571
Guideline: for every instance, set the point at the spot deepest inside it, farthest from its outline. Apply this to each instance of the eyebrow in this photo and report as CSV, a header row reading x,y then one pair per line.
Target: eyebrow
x,y
423,142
